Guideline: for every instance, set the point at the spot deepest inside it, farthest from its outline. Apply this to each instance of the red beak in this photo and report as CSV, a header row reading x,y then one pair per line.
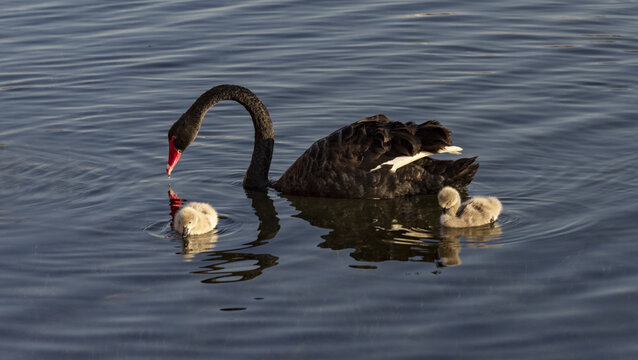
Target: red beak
x,y
173,156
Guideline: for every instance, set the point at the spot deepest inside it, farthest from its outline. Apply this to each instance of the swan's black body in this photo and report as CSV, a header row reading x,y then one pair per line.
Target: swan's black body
x,y
341,164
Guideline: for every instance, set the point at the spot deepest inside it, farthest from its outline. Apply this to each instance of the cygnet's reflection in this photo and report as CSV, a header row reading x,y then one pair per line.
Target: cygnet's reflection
x,y
231,265
196,244
450,245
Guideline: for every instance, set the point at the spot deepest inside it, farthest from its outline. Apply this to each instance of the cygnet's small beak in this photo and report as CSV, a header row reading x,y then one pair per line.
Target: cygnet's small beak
x,y
185,231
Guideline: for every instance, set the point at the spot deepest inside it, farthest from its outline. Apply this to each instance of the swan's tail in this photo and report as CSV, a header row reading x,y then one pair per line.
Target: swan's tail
x,y
461,172
440,173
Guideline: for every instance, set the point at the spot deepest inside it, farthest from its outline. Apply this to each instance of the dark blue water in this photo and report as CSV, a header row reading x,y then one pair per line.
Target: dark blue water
x,y
543,92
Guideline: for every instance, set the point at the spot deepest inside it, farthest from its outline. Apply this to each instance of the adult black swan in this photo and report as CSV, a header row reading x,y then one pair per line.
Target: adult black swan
x,y
371,158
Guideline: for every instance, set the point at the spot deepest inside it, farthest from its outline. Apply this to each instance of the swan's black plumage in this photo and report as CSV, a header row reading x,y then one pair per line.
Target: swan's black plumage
x,y
343,163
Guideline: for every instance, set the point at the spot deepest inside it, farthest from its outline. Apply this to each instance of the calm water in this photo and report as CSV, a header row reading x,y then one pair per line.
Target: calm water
x,y
543,92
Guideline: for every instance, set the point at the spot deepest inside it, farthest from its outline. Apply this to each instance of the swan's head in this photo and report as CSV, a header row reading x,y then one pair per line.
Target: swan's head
x,y
449,198
185,221
173,155
180,135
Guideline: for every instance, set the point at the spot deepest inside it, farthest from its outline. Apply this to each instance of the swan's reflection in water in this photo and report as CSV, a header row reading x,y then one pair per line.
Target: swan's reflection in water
x,y
404,229
226,266
232,265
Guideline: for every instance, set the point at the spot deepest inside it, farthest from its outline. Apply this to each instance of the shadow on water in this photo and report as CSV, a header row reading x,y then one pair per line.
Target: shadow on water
x,y
232,265
403,229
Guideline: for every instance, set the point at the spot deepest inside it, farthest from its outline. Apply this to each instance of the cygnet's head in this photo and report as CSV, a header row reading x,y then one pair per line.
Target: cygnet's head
x,y
449,197
185,220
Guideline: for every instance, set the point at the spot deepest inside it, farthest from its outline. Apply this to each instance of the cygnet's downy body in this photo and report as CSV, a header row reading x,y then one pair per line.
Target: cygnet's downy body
x,y
476,211
195,218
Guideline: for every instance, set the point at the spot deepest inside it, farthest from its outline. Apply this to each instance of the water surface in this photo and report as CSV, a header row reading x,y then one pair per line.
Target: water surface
x,y
543,92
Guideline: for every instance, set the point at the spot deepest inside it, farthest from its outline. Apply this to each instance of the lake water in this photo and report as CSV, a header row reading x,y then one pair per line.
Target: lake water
x,y
543,92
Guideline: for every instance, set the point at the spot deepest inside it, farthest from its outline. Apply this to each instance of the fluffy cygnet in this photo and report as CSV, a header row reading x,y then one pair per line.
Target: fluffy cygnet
x,y
195,218
474,212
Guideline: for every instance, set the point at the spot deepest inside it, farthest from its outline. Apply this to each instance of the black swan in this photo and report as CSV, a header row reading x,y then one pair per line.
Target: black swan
x,y
476,211
371,158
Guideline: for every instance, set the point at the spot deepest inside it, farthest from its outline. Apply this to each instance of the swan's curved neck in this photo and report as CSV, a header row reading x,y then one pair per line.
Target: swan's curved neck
x,y
452,211
256,176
